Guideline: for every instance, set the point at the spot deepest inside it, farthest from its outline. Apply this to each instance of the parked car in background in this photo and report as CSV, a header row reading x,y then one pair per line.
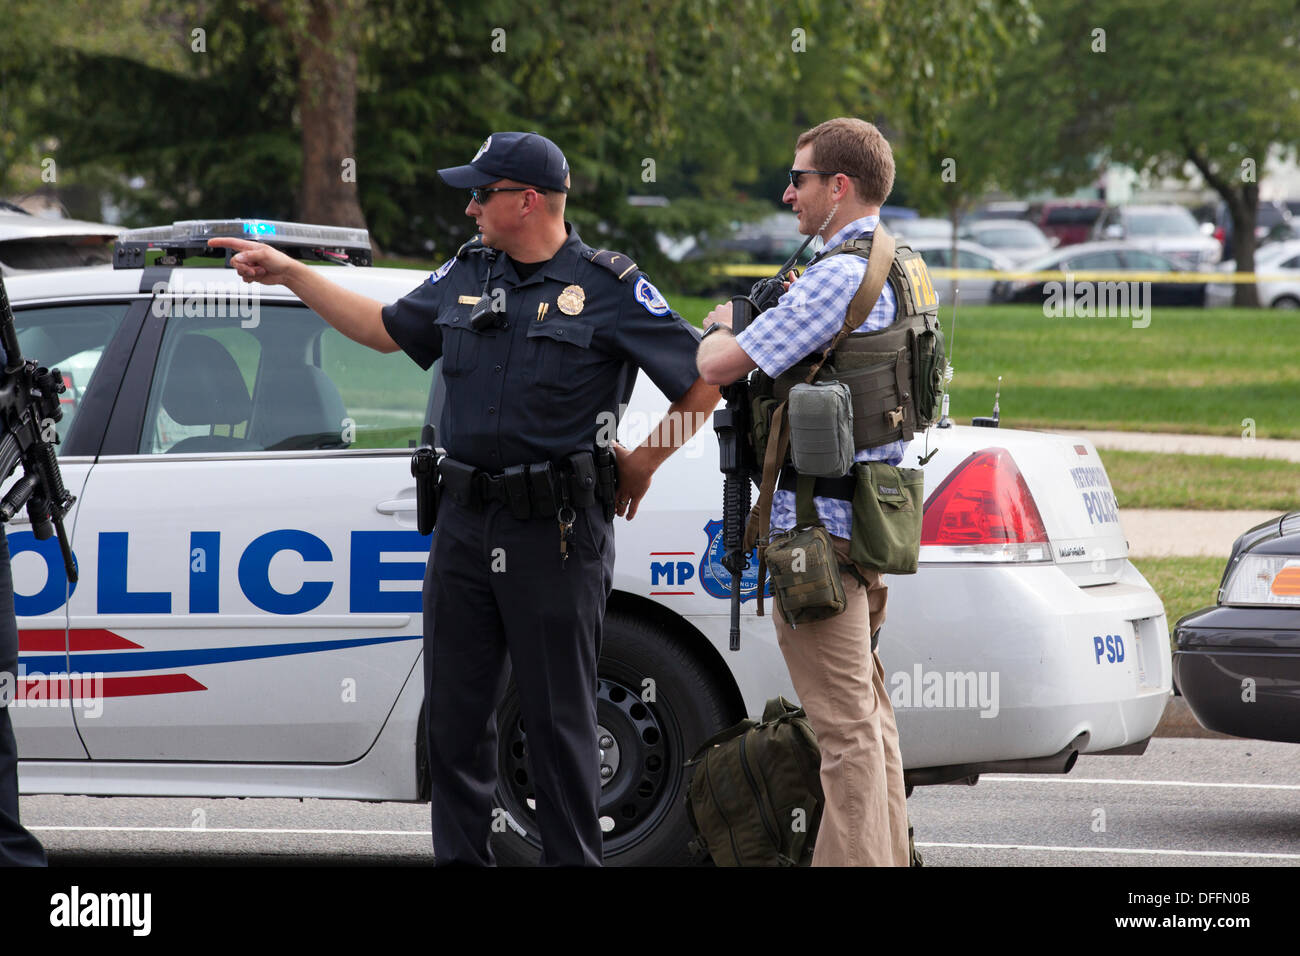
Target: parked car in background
x,y
1015,239
1272,218
1280,260
28,242
919,228
1167,229
1115,257
975,290
1237,664
1002,209
1069,221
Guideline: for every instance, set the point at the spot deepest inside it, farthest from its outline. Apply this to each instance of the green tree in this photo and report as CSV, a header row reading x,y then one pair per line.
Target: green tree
x,y
1157,84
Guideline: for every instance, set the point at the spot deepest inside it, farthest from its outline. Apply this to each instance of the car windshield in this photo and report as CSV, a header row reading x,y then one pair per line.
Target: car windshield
x,y
924,228
1164,222
1003,237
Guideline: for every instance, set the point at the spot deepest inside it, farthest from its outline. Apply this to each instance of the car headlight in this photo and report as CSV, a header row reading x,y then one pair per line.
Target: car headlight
x,y
1267,579
1210,256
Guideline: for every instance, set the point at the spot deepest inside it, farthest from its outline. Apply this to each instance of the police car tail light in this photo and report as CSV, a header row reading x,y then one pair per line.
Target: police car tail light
x,y
1264,579
984,511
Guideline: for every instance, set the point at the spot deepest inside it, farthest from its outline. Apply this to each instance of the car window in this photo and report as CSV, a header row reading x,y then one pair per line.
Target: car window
x,y
1292,263
972,260
1001,238
1164,222
1095,260
1072,215
385,395
71,338
285,383
1146,261
936,258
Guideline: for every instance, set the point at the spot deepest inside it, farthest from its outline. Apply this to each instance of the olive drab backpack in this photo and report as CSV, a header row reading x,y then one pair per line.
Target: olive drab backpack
x,y
755,798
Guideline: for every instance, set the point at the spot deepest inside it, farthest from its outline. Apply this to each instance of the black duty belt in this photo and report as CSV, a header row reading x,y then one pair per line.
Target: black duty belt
x,y
841,488
538,490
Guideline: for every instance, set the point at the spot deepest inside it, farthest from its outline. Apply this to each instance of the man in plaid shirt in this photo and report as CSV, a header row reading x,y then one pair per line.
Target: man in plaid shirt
x,y
843,172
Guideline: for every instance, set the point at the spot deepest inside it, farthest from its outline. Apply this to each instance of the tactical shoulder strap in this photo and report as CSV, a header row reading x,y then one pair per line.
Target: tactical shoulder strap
x,y
615,262
882,245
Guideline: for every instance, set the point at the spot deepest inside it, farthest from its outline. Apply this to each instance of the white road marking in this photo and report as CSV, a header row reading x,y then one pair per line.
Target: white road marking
x,y
1095,849
1037,778
419,833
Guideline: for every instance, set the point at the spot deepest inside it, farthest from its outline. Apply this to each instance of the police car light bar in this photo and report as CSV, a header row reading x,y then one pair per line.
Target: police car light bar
x,y
190,238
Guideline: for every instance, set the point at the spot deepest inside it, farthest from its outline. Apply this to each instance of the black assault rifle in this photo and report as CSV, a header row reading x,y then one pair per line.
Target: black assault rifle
x,y
735,447
29,409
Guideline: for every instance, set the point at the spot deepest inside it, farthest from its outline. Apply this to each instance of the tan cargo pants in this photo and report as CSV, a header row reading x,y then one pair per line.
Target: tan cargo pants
x,y
841,686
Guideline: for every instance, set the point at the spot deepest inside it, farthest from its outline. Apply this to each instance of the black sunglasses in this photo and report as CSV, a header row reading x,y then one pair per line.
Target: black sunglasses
x,y
480,194
797,174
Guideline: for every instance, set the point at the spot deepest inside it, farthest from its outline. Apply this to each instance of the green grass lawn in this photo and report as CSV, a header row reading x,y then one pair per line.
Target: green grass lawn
x,y
1207,482
1200,371
1184,584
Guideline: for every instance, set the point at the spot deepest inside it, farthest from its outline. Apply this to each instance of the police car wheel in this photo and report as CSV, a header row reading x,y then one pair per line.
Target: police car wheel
x,y
654,706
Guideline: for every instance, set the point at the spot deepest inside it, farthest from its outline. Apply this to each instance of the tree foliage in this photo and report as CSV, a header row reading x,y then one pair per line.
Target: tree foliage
x,y
698,101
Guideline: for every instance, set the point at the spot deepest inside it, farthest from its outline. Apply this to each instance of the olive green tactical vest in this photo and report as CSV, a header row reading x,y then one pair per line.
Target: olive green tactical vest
x,y
894,374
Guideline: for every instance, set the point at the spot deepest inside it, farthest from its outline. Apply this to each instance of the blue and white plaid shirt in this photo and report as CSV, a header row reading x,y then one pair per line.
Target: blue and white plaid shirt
x,y
804,321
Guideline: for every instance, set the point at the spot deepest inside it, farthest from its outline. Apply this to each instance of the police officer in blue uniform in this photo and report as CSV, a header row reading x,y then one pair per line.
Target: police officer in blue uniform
x,y
540,337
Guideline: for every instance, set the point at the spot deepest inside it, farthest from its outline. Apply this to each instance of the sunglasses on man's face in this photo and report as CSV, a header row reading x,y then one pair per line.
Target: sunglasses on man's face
x,y
482,194
796,175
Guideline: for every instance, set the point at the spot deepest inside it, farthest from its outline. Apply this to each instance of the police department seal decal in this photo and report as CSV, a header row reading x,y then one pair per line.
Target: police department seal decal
x,y
717,580
571,299
487,143
649,297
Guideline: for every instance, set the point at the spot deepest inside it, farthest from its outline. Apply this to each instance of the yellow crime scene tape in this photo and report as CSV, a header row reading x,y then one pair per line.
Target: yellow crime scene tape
x,y
1083,275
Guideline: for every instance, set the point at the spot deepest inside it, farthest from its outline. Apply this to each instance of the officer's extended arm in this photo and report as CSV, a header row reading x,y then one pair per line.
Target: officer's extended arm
x,y
356,316
683,420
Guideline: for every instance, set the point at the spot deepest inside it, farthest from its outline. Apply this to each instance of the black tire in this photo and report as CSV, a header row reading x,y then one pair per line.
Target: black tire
x,y
1286,302
642,805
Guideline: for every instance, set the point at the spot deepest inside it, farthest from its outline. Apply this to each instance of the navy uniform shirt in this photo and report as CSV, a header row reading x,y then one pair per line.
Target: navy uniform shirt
x,y
527,389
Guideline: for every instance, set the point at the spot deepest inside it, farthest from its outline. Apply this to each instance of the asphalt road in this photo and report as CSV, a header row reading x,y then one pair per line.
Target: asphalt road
x,y
1185,802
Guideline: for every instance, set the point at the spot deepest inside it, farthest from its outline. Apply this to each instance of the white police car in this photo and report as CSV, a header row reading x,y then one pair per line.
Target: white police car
x,y
247,619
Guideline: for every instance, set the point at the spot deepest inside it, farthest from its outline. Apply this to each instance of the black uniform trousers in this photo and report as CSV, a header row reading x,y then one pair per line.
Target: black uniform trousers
x,y
17,846
547,617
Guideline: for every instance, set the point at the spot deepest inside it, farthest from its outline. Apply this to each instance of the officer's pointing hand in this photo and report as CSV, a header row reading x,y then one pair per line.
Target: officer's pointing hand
x,y
634,474
256,261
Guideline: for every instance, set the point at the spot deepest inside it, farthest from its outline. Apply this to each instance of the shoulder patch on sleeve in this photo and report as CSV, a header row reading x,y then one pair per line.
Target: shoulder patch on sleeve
x,y
650,298
441,271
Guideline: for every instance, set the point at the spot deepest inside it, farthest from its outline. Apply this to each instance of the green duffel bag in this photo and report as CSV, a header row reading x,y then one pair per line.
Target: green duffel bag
x,y
755,798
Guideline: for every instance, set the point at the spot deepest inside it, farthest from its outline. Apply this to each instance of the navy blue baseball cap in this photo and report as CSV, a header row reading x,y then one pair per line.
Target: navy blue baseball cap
x,y
524,157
